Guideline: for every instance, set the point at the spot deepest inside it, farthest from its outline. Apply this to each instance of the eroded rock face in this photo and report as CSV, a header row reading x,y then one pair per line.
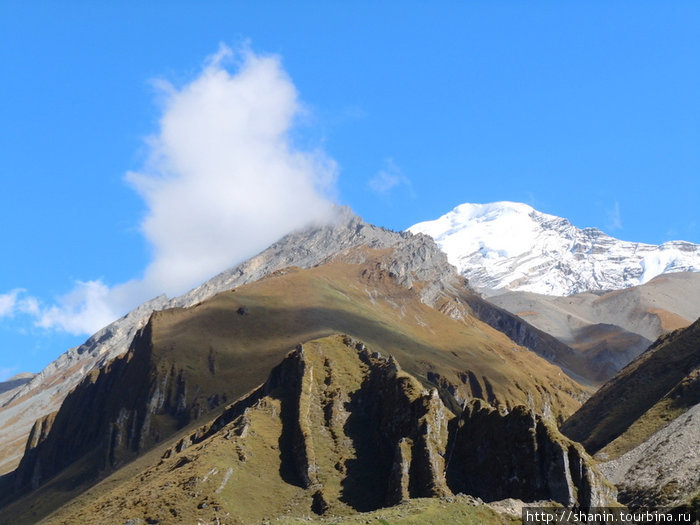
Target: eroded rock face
x,y
520,455
389,434
350,429
393,440
44,393
415,263
113,414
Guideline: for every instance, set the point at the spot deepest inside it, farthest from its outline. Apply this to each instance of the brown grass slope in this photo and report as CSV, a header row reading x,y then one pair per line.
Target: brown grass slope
x,y
649,392
338,428
189,362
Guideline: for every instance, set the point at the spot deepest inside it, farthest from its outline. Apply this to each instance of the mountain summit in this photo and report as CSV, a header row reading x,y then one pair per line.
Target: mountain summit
x,y
512,246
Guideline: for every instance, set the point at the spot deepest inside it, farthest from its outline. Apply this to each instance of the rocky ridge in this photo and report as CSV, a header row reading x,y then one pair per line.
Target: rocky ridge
x,y
338,428
512,246
13,383
46,391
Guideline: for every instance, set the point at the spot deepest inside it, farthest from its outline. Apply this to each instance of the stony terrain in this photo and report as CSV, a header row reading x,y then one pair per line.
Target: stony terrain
x,y
187,362
46,391
663,470
409,387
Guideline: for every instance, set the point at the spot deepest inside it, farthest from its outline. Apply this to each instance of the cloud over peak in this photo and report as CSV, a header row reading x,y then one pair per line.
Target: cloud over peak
x,y
222,181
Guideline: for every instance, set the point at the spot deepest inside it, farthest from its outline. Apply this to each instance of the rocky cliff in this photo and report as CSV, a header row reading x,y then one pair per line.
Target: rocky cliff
x,y
413,262
520,455
339,428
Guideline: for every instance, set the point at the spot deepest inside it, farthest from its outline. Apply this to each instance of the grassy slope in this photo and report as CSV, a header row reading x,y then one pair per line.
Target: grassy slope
x,y
301,305
445,511
673,404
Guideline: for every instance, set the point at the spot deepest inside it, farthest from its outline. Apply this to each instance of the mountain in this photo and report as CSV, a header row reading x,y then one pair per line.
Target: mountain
x,y
512,246
418,258
337,427
187,361
394,290
45,392
610,329
645,423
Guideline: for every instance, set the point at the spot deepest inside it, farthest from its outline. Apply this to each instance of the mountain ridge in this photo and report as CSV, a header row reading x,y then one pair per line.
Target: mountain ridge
x,y
186,362
611,328
337,428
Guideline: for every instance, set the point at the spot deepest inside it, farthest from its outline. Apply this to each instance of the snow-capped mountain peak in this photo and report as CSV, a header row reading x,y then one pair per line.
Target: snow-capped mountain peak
x,y
512,246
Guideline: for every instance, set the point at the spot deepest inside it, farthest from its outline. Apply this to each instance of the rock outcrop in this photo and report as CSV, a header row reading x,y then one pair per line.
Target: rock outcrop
x,y
92,416
335,429
353,425
359,432
520,455
189,362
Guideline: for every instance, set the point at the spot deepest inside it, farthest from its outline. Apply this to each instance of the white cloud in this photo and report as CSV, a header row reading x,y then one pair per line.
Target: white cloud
x,y
222,182
614,217
29,305
389,178
83,310
11,303
8,303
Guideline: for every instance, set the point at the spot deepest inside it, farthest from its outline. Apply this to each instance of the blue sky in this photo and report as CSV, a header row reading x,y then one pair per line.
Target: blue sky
x,y
401,110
